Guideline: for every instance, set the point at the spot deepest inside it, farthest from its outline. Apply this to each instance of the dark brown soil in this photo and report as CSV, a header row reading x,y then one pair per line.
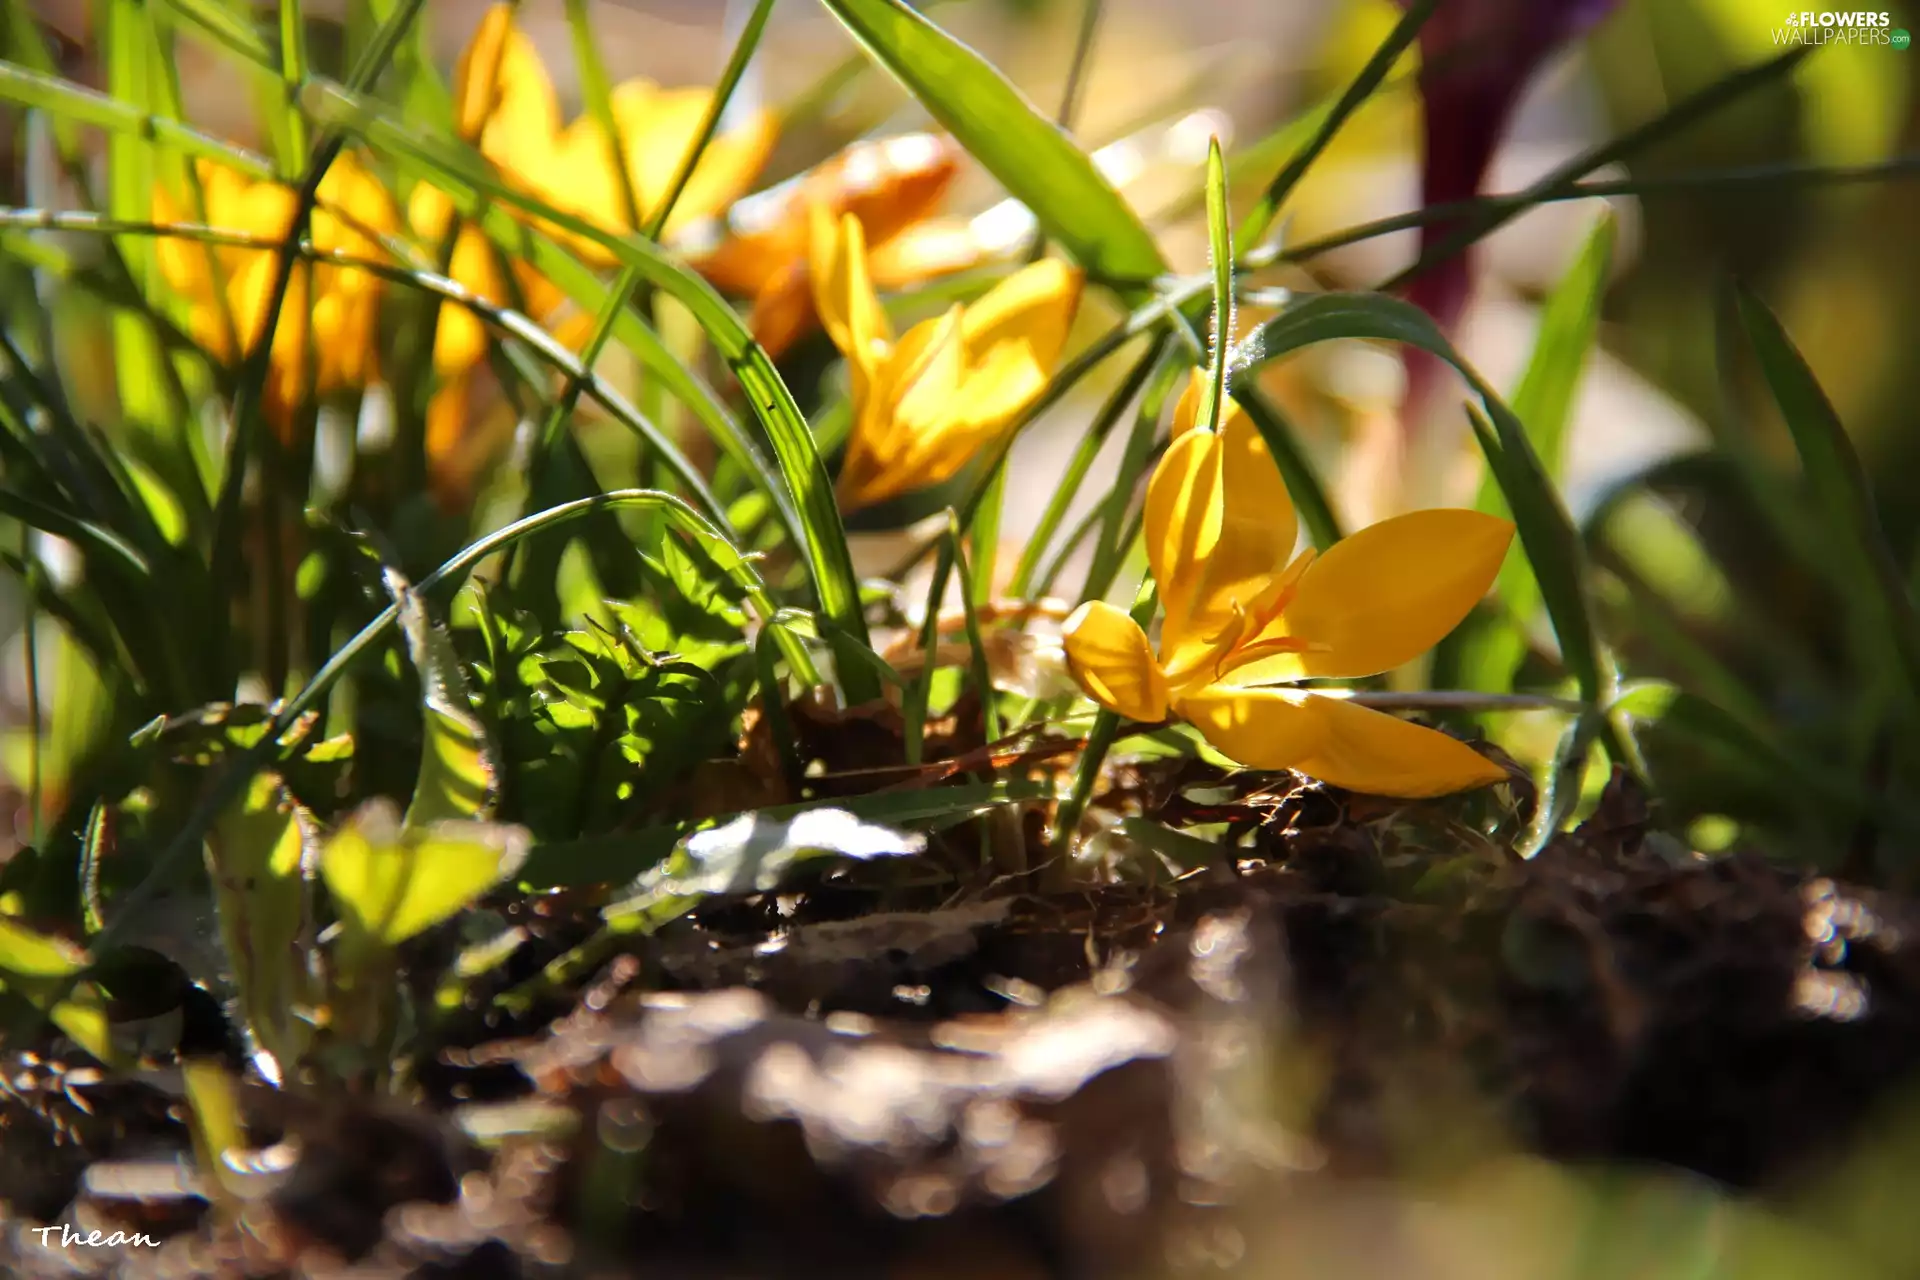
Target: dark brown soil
x,y
1133,1079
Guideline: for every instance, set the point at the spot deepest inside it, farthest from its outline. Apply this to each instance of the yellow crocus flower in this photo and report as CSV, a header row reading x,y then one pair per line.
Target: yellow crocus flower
x,y
924,404
891,184
1243,613
324,340
508,107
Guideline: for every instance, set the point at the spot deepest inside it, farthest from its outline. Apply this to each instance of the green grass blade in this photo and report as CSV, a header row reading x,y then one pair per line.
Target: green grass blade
x,y
1037,162
1364,85
1873,584
475,193
743,51
1678,117
77,105
293,73
1543,402
597,93
1077,467
1220,257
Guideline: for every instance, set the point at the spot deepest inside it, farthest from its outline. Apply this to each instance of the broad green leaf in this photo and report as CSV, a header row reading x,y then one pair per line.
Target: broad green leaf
x,y
755,853
457,777
392,882
1871,581
1547,533
41,970
1030,155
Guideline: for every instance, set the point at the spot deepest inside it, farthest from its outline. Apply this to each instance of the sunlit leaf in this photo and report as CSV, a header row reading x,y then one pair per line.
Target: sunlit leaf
x,y
40,969
391,882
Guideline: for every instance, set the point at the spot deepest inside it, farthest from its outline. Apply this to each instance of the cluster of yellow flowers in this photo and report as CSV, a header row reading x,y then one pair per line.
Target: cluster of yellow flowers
x,y
1243,616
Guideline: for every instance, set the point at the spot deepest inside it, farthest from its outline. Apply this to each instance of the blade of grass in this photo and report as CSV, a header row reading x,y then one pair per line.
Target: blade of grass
x,y
1631,143
249,398
1303,482
1875,586
598,97
1257,223
736,67
1082,461
1027,152
1213,401
1543,403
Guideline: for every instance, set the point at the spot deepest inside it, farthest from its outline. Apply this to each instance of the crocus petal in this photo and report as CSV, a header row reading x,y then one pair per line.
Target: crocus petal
x,y
782,307
504,100
1035,305
1385,595
1257,529
1109,655
660,127
1260,728
843,293
933,248
928,372
1369,751
1186,414
1182,524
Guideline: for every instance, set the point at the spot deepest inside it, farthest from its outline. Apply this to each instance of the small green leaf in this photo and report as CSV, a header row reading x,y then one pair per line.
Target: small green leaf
x,y
392,882
1030,155
41,970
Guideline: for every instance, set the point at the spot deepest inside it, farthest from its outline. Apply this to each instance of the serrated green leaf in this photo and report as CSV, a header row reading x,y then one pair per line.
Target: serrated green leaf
x,y
257,859
457,778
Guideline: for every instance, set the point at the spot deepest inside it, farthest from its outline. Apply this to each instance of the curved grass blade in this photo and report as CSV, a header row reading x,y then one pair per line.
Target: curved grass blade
x,y
1875,588
1547,532
1220,259
1303,482
1543,402
1030,155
